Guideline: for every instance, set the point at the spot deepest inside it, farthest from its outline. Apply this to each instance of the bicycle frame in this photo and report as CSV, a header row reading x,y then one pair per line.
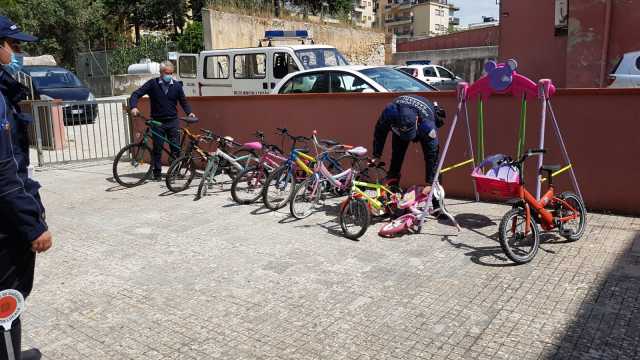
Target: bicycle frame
x,y
357,192
214,160
544,217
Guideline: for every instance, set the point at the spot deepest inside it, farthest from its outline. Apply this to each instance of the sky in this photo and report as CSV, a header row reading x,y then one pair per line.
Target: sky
x,y
471,11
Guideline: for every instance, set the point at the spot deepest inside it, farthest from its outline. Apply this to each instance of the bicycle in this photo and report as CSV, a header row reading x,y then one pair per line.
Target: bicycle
x,y
366,199
418,205
307,195
183,170
246,187
132,165
518,230
221,161
278,186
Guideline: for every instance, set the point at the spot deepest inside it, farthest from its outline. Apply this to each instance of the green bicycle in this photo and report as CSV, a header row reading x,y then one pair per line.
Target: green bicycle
x,y
132,164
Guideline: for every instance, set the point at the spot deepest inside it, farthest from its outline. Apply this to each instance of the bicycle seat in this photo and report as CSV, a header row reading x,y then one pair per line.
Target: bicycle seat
x,y
253,145
329,142
190,119
550,168
358,151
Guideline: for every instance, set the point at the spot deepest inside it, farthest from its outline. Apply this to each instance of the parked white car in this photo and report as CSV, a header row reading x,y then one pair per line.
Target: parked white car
x,y
436,75
627,71
350,79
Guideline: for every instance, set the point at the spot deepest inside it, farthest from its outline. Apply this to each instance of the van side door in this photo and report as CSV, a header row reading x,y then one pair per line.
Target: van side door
x,y
215,77
251,74
282,64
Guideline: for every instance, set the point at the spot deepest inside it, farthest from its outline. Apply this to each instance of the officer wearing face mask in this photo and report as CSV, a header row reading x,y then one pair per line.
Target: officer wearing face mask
x,y
409,118
23,230
164,93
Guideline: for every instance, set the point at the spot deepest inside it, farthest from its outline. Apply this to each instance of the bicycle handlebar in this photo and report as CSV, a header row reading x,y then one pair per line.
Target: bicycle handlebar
x,y
527,154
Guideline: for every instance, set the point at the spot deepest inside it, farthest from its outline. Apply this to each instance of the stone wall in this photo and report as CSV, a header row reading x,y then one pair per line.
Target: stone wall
x,y
227,30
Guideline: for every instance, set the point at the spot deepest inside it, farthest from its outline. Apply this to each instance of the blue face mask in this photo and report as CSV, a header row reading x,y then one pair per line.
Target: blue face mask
x,y
166,78
15,65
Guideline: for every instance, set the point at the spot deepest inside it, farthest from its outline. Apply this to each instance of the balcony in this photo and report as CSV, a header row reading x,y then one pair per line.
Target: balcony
x,y
399,20
400,4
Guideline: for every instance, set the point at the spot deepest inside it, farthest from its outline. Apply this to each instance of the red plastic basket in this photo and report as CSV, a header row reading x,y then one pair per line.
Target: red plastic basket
x,y
496,187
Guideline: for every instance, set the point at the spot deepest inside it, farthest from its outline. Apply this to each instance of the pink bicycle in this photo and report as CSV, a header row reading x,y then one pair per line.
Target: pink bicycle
x,y
415,203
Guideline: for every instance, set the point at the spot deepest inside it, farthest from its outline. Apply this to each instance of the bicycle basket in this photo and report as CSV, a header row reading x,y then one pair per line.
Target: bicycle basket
x,y
501,181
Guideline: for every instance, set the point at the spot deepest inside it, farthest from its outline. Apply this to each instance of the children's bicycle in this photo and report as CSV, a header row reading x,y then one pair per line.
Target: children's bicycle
x,y
226,160
247,185
132,164
417,206
366,199
518,232
307,196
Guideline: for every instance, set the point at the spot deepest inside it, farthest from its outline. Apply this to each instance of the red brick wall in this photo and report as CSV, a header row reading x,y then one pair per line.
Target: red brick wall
x,y
488,36
600,126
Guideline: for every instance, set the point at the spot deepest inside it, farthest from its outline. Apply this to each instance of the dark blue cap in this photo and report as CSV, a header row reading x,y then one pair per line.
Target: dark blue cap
x,y
9,29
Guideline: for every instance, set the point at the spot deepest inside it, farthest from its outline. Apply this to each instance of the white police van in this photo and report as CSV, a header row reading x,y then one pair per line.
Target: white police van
x,y
252,71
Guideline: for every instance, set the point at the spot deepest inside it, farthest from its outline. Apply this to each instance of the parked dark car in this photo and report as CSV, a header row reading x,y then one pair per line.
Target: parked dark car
x,y
51,82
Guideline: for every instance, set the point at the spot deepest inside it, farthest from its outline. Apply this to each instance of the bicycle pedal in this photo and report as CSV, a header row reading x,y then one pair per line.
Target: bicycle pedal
x,y
565,232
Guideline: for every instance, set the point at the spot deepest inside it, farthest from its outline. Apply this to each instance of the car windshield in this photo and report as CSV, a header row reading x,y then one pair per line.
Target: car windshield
x,y
394,80
317,58
55,79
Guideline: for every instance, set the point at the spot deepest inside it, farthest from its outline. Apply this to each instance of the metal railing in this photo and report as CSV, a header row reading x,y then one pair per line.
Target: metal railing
x,y
71,131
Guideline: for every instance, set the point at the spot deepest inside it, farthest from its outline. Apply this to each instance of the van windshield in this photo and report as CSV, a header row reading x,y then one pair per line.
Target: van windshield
x,y
317,58
55,79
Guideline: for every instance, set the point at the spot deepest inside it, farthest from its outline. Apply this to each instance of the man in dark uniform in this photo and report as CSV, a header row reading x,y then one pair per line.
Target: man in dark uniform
x,y
23,230
410,118
164,93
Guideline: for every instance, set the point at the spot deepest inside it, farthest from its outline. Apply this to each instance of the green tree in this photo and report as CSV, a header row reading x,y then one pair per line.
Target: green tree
x,y
150,47
63,26
191,40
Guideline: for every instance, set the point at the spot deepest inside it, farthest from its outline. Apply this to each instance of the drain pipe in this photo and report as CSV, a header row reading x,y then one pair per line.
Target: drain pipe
x,y
605,43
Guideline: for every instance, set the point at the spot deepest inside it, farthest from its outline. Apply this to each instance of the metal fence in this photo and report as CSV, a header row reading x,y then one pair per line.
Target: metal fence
x,y
72,131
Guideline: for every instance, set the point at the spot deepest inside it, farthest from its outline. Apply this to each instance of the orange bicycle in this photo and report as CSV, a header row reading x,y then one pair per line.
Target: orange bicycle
x,y
519,234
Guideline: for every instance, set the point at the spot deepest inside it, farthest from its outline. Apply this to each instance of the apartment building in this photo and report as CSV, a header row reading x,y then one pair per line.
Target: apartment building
x,y
410,19
363,13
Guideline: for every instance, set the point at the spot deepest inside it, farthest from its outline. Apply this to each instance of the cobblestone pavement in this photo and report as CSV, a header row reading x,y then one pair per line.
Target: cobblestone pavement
x,y
139,274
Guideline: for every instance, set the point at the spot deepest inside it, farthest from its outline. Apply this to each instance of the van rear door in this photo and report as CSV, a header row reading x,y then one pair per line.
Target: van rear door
x,y
187,71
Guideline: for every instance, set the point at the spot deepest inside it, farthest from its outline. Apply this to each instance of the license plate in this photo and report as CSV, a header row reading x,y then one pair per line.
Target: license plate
x,y
77,111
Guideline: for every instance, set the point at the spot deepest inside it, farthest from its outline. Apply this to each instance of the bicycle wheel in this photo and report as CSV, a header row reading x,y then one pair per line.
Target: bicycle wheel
x,y
180,174
354,218
132,165
518,246
573,229
278,188
305,198
247,186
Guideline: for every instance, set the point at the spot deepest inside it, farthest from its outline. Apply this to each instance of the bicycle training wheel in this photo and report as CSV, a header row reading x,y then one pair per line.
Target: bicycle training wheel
x,y
132,165
247,185
573,229
354,218
180,174
520,246
398,226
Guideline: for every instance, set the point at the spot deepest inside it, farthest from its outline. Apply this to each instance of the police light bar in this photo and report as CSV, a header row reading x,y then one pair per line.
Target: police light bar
x,y
274,34
418,62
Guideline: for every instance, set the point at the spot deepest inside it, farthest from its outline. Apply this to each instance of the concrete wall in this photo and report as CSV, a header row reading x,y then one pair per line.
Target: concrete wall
x,y
600,128
227,30
465,62
126,84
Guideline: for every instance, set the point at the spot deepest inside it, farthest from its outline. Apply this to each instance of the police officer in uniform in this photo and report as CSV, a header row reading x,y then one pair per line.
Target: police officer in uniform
x,y
410,118
23,230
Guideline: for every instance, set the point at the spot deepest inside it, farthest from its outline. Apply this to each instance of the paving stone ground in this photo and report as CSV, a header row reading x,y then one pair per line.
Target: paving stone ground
x,y
140,274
